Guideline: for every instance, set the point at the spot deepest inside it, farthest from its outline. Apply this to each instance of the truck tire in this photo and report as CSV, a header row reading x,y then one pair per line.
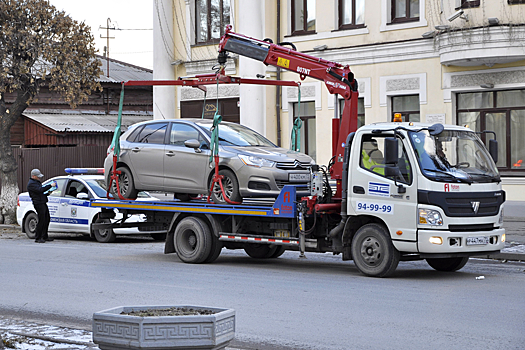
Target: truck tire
x,y
105,235
231,188
192,240
126,185
373,251
260,251
447,264
216,249
30,225
278,252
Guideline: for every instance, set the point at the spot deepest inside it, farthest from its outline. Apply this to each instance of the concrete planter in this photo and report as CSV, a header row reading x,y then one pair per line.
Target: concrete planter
x,y
114,331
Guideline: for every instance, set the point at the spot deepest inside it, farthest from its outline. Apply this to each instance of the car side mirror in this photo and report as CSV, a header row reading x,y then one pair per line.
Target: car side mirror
x,y
391,150
83,196
193,143
493,149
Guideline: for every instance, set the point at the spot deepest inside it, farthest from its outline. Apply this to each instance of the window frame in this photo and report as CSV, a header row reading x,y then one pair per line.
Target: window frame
x,y
466,4
304,129
343,26
405,114
209,39
515,2
305,30
507,169
407,18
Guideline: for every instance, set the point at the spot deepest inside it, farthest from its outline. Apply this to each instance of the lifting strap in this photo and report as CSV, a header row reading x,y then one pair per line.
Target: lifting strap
x,y
295,143
115,146
214,154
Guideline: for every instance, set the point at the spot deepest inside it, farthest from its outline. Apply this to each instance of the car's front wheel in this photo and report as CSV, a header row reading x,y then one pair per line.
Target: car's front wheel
x,y
126,184
30,225
230,186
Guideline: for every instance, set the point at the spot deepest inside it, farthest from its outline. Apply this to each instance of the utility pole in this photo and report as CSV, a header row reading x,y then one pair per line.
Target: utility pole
x,y
107,28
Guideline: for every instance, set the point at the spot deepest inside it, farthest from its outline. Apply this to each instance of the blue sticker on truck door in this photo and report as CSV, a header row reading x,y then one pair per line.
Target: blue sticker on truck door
x,y
378,189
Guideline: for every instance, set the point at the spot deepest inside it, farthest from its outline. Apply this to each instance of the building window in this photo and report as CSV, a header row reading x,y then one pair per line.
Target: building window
x,y
303,17
351,14
514,2
212,16
502,112
465,4
228,109
308,129
408,106
360,111
405,11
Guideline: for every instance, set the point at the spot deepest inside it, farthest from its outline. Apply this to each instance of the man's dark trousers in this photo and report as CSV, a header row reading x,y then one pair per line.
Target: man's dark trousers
x,y
43,221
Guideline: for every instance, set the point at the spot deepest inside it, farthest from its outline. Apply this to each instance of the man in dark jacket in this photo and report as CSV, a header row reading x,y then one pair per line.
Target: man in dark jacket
x,y
38,194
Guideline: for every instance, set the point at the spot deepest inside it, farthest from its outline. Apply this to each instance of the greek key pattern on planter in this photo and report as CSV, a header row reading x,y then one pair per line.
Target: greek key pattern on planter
x,y
225,326
177,331
117,329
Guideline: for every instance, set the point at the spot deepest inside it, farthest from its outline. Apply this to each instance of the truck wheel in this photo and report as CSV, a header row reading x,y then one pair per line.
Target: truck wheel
x,y
30,225
192,240
260,251
447,264
231,188
216,249
373,251
278,252
105,235
126,185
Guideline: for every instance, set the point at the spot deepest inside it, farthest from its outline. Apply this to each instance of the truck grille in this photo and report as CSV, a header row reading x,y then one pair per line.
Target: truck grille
x,y
464,204
296,165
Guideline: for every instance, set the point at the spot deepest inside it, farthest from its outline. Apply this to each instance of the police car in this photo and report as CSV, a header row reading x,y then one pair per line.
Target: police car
x,y
70,211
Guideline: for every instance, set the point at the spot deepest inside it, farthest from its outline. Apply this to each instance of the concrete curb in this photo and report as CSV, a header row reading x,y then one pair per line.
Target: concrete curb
x,y
504,256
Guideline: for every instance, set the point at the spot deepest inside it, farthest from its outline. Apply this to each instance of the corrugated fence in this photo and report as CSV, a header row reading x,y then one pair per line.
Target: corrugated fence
x,y
53,160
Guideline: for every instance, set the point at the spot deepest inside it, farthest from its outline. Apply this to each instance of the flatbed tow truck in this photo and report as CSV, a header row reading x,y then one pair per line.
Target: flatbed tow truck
x,y
435,192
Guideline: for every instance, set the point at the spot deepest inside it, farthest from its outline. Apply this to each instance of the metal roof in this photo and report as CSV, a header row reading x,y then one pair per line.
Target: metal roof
x,y
121,71
83,122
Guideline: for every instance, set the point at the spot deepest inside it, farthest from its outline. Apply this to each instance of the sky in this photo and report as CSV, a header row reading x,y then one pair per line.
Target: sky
x,y
131,46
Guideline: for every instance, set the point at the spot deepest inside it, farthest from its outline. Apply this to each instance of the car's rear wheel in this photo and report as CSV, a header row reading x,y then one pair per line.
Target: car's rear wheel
x,y
126,185
230,186
30,225
278,252
447,264
104,235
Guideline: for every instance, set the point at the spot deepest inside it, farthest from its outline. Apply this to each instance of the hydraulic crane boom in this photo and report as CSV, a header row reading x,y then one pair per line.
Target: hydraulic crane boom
x,y
337,78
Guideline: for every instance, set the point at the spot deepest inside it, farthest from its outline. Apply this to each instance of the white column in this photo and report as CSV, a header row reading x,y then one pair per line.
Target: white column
x,y
164,101
252,97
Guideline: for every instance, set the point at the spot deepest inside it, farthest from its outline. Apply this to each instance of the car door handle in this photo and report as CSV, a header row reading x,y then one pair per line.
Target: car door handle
x,y
359,190
135,149
170,154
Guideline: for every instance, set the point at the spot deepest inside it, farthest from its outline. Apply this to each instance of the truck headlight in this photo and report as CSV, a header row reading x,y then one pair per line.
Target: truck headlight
x,y
430,217
256,161
500,220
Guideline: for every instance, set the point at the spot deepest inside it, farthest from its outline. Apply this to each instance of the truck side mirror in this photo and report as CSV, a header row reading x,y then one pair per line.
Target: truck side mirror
x,y
493,149
391,150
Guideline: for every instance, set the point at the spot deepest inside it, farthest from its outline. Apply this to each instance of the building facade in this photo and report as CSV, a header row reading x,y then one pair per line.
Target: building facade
x,y
450,61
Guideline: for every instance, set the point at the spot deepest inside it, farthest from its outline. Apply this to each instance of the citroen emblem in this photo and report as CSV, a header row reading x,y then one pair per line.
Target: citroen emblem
x,y
475,206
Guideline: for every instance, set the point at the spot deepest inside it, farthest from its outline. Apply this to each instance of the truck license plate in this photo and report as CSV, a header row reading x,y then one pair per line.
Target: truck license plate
x,y
298,177
477,240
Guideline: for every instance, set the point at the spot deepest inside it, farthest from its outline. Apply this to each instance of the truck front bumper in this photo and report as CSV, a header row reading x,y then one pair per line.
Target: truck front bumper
x,y
470,242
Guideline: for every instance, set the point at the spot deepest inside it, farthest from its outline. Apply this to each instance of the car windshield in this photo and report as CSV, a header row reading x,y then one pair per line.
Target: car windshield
x,y
454,156
231,134
99,187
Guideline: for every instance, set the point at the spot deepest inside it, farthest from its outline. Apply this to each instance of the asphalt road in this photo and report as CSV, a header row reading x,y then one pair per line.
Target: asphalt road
x,y
288,303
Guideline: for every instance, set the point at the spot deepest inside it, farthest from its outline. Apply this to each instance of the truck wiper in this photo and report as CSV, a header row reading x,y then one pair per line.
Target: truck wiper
x,y
449,175
492,177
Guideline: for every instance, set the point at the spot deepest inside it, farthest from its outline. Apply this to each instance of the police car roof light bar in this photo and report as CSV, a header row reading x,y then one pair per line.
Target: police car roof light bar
x,y
84,171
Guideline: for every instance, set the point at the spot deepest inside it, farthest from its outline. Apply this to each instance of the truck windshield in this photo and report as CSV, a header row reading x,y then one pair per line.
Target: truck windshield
x,y
453,156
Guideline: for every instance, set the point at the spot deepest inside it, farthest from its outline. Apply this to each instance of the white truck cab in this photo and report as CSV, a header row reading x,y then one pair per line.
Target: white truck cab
x,y
436,188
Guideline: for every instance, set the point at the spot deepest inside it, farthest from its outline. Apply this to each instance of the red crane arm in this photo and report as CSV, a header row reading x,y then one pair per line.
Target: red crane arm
x,y
337,78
